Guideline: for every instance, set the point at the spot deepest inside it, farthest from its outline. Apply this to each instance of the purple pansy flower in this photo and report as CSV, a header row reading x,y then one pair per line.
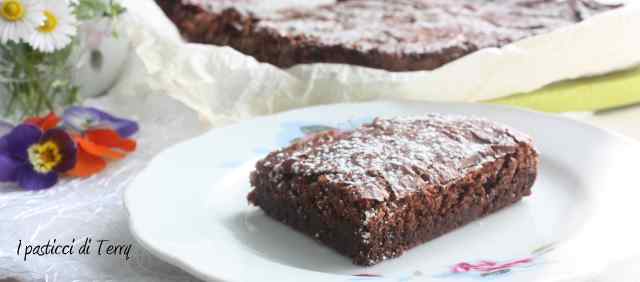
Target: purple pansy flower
x,y
82,119
34,158
5,127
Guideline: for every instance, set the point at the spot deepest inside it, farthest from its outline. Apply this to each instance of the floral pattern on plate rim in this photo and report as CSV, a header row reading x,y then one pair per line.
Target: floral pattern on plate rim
x,y
478,270
290,132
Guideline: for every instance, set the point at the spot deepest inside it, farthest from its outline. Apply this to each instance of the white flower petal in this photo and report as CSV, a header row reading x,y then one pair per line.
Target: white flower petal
x,y
64,32
18,31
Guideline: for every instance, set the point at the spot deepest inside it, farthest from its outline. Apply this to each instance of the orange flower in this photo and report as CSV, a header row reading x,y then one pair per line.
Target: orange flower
x,y
98,136
95,147
45,123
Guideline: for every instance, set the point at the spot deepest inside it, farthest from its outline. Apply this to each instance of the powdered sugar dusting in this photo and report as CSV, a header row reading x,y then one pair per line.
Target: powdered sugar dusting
x,y
368,215
391,158
406,27
419,26
254,7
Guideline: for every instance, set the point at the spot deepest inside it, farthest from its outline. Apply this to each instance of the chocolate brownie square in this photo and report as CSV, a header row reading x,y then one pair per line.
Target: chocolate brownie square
x,y
375,192
395,35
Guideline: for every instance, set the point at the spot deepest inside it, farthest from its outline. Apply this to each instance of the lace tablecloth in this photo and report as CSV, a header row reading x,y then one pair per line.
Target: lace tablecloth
x,y
93,208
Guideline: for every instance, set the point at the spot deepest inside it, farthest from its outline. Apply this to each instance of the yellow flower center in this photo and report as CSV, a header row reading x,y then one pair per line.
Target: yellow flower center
x,y
44,157
50,24
12,10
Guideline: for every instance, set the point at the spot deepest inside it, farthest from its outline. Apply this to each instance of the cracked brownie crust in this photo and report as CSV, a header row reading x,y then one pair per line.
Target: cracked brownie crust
x,y
379,190
395,35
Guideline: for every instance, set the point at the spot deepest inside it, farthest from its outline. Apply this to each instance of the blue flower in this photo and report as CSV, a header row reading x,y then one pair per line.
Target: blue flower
x,y
82,119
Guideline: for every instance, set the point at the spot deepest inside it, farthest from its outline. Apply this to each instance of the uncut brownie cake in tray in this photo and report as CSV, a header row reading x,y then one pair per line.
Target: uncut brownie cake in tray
x,y
395,35
385,187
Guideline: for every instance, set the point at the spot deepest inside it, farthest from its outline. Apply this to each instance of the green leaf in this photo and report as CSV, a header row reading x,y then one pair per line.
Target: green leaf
x,y
543,249
115,9
90,9
72,95
310,129
495,273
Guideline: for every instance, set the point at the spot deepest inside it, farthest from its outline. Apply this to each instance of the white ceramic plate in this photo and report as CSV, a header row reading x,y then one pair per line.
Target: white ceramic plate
x,y
189,206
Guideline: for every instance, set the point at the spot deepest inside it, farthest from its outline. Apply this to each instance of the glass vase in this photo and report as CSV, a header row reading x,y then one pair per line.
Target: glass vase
x,y
33,83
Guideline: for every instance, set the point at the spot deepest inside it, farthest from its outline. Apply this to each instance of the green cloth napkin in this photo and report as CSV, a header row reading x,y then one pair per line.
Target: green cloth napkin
x,y
582,95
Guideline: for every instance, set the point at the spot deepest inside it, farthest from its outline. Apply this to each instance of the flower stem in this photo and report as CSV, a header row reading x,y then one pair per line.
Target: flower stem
x,y
12,100
34,82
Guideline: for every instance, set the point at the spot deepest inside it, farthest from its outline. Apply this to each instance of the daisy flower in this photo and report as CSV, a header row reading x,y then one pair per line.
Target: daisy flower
x,y
58,29
18,19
